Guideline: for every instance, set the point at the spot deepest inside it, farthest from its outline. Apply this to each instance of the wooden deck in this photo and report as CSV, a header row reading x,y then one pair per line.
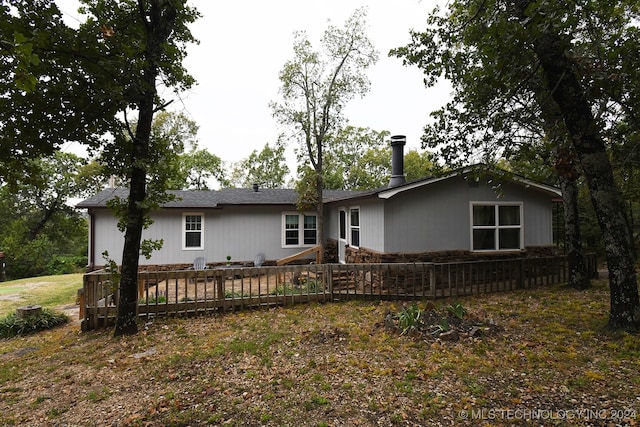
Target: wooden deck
x,y
189,292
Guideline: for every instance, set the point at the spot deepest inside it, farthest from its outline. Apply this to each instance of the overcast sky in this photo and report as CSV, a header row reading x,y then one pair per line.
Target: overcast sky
x,y
245,43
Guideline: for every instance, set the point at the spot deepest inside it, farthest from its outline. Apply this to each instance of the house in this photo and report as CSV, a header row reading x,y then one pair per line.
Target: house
x,y
234,222
470,210
474,210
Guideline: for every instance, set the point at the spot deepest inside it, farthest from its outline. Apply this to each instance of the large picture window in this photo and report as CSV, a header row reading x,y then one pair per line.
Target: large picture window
x,y
299,229
192,231
496,227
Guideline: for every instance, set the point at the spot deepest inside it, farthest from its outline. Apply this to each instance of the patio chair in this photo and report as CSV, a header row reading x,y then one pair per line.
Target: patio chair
x,y
200,264
259,260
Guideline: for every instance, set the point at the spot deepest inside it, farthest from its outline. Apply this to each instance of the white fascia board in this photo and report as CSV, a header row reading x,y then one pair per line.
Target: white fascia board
x,y
387,194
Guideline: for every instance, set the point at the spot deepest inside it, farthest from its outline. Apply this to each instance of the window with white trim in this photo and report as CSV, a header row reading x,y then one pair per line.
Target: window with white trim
x,y
496,226
354,227
193,231
299,229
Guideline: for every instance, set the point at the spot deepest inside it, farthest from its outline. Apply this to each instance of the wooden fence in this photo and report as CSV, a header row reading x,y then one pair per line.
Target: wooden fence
x,y
189,292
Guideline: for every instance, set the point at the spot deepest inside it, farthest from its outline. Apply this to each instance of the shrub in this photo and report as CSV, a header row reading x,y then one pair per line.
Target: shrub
x,y
12,325
66,264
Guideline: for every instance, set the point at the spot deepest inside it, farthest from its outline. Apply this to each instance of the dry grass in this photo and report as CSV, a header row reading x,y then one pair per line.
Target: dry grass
x,y
334,365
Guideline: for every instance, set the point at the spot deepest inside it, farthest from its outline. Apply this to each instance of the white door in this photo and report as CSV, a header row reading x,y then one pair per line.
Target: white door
x,y
342,236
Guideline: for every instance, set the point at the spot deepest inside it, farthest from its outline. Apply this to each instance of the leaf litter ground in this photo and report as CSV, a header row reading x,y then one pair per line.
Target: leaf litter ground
x,y
543,357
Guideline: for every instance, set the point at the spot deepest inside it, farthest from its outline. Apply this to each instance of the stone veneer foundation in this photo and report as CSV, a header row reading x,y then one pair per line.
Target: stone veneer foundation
x,y
367,256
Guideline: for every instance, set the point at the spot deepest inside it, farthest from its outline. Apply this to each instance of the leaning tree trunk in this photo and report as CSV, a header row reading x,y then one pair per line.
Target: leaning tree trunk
x,y
158,25
590,148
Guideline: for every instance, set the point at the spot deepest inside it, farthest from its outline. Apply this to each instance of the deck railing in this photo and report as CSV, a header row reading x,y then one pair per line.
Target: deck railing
x,y
229,288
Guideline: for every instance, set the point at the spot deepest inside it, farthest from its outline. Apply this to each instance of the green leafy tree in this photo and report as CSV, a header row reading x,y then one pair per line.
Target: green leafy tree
x,y
370,147
140,45
171,166
420,164
514,62
40,233
373,166
316,86
88,82
199,169
41,77
266,168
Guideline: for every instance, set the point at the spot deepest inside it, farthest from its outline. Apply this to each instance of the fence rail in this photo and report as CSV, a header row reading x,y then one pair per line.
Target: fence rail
x,y
230,288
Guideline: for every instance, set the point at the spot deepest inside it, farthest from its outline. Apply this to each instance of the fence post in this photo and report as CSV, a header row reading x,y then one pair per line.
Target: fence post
x,y
219,280
520,274
432,280
328,274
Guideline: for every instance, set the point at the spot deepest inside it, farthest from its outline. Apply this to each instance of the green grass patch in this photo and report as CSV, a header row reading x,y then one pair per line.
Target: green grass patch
x,y
47,291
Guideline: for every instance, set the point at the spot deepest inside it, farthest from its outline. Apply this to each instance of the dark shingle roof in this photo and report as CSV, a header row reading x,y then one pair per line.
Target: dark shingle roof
x,y
216,198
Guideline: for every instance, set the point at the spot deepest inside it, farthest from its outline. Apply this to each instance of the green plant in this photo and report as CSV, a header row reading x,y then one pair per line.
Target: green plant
x,y
160,299
98,395
457,310
235,294
315,402
12,325
66,264
409,317
114,273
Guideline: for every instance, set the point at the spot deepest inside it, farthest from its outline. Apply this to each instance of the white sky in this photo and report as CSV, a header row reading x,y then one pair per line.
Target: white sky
x,y
245,43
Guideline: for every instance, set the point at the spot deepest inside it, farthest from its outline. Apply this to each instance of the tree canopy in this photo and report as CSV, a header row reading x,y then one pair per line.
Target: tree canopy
x,y
316,86
524,69
107,70
39,232
44,66
266,168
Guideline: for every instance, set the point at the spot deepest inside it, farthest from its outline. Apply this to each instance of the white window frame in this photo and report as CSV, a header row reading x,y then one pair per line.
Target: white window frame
x,y
300,229
497,227
184,230
352,227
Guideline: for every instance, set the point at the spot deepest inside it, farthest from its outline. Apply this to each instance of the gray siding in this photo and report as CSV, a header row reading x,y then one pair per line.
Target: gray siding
x,y
429,218
241,232
331,222
372,225
538,220
437,216
371,222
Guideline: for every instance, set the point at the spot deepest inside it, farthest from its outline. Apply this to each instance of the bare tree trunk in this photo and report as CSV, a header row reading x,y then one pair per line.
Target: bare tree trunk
x,y
320,208
578,274
567,172
126,321
158,25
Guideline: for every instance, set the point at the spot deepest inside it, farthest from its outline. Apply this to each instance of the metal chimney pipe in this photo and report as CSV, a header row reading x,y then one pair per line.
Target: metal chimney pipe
x,y
397,160
256,187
